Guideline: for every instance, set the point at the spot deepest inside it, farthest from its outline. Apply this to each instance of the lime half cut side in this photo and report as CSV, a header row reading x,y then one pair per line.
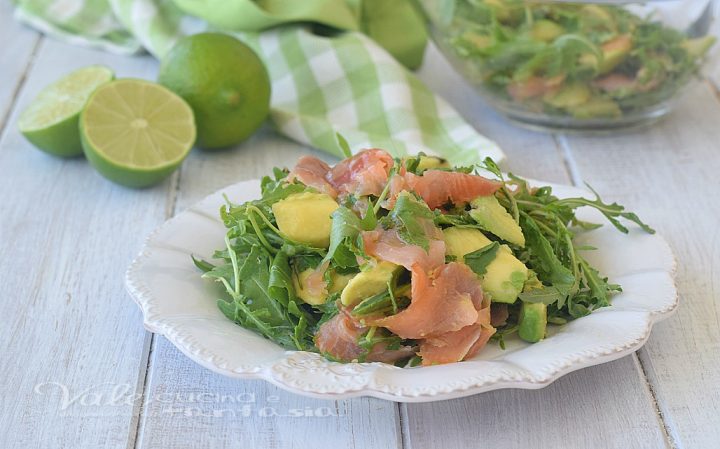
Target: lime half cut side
x,y
50,122
135,132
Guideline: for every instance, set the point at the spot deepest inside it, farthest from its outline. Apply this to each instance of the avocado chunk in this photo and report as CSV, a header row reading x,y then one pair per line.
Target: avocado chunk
x,y
504,277
337,283
570,96
614,52
461,241
546,30
699,46
302,292
597,107
476,40
368,283
506,11
430,162
533,321
597,14
305,218
492,217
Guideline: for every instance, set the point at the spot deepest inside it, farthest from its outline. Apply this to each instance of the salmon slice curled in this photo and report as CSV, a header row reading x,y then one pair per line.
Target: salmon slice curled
x,y
447,303
365,173
461,344
339,336
311,171
388,246
438,187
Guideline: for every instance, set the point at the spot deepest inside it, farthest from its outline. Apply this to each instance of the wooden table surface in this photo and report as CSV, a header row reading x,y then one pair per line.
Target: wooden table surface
x,y
79,371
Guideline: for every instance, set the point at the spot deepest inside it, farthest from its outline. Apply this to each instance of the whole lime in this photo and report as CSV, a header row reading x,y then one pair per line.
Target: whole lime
x,y
225,83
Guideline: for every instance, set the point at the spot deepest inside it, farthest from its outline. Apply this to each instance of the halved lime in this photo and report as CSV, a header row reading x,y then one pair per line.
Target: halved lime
x,y
50,122
135,132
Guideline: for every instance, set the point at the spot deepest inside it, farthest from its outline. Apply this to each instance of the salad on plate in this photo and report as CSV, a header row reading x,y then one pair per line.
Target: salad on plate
x,y
405,260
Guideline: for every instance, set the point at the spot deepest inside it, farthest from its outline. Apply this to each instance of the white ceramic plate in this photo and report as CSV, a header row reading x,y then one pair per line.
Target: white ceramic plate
x,y
180,305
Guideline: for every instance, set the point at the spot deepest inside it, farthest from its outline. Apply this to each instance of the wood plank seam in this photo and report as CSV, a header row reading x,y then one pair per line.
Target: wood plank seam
x,y
577,180
137,425
568,159
713,87
5,119
404,427
140,386
672,442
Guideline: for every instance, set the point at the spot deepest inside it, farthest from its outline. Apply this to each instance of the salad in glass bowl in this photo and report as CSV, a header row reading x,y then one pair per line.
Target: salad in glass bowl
x,y
593,65
405,260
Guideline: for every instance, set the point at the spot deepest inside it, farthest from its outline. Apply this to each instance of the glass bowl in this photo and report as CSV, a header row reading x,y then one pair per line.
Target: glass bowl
x,y
575,66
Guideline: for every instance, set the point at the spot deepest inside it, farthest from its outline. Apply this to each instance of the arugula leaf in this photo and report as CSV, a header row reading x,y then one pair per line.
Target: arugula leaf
x,y
303,262
222,273
610,211
260,303
387,302
599,287
279,191
412,163
544,260
370,220
203,265
545,295
238,311
373,304
343,144
374,336
254,274
280,284
479,260
406,216
329,309
345,229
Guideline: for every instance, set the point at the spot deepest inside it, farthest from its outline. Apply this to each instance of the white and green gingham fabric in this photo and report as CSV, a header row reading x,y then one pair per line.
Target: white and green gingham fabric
x,y
321,85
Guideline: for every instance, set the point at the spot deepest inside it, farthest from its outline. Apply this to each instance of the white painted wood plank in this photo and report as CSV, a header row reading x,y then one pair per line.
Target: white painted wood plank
x,y
67,236
669,175
606,406
359,423
16,51
191,407
591,408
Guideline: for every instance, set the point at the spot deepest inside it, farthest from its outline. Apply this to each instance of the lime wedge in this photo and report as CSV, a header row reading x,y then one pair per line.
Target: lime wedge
x,y
135,132
50,122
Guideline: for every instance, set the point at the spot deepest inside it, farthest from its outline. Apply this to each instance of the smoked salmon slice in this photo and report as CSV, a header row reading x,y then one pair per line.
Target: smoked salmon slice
x,y
311,171
388,246
444,304
366,173
438,187
461,344
450,347
339,336
534,86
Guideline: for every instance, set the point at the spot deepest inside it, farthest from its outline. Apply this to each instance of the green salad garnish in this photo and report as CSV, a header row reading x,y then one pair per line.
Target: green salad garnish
x,y
567,59
405,261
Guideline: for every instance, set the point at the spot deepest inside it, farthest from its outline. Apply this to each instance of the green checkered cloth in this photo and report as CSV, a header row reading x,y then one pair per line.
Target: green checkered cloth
x,y
321,85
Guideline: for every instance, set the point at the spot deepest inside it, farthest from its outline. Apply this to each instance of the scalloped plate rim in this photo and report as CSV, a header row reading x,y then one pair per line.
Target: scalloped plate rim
x,y
143,298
